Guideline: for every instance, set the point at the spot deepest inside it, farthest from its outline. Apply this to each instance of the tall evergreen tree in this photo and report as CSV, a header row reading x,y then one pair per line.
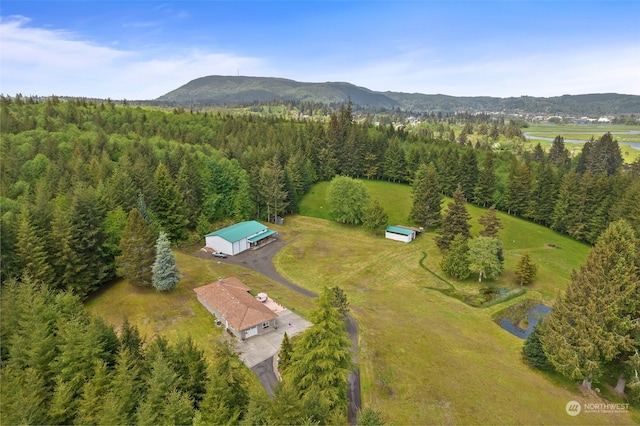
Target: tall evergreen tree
x,y
448,170
543,195
455,262
168,204
558,154
94,265
568,212
322,356
486,183
284,356
394,162
455,221
468,172
165,274
227,398
426,209
518,188
526,270
138,251
592,327
491,223
31,254
272,187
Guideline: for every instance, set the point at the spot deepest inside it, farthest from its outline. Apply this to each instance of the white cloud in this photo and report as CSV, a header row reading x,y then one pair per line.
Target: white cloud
x,y
593,70
36,61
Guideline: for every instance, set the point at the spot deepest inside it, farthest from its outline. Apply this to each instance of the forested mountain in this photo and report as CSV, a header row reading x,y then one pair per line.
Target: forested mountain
x,y
71,172
240,90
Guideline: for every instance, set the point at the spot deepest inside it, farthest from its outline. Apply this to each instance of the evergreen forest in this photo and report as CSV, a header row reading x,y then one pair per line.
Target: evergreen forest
x,y
85,184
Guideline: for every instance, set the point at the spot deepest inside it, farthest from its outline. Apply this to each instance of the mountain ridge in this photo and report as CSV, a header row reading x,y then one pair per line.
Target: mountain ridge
x,y
217,90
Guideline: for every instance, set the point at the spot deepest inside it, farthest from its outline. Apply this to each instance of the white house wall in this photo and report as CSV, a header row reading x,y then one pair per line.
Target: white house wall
x,y
219,244
398,237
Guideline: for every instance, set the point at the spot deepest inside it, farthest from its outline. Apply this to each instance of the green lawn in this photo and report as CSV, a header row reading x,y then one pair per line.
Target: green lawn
x,y
427,358
582,132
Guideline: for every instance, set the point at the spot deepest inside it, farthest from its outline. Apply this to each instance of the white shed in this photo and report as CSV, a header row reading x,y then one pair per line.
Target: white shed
x,y
237,238
400,234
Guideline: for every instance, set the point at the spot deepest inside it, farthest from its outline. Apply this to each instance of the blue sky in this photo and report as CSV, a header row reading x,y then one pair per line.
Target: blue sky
x,y
143,49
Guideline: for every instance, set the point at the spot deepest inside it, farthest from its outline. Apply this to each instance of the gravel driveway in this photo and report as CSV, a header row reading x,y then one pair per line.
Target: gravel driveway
x,y
261,261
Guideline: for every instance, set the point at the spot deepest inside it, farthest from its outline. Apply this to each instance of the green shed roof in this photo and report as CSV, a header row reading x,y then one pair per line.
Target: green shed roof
x,y
238,231
401,231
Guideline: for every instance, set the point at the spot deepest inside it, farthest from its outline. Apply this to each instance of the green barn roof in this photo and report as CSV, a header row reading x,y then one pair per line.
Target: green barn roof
x,y
401,231
238,231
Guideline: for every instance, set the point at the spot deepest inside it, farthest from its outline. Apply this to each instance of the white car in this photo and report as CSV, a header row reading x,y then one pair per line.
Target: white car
x,y
219,254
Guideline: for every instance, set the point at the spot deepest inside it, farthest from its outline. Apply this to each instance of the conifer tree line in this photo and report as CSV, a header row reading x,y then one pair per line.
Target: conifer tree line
x,y
62,365
72,171
593,332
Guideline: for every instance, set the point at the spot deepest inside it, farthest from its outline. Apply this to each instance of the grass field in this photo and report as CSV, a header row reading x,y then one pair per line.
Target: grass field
x,y
584,132
425,358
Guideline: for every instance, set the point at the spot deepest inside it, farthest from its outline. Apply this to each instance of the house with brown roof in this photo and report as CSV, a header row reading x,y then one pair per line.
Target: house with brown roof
x,y
232,304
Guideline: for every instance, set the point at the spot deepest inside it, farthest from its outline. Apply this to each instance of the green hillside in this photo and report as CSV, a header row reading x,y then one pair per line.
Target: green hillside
x,y
242,90
427,358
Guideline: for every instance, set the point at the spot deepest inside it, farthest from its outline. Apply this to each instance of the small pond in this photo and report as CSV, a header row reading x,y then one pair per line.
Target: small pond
x,y
522,325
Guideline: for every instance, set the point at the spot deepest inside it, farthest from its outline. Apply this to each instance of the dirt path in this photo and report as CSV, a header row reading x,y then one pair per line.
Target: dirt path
x,y
261,261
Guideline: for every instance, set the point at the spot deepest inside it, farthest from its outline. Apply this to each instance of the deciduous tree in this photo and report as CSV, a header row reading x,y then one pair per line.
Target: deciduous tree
x,y
484,257
347,199
374,218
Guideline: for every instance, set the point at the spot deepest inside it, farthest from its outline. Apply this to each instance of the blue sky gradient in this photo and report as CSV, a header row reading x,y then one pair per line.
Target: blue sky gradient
x,y
143,49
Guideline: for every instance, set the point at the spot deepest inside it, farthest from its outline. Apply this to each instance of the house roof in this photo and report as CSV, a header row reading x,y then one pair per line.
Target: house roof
x,y
230,298
401,231
238,231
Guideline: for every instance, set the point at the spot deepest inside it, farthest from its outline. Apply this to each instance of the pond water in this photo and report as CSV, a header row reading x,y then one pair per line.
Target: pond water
x,y
534,315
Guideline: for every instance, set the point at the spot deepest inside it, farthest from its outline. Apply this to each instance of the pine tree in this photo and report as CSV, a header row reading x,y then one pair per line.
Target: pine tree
x,y
448,170
486,184
31,254
370,417
227,397
526,270
394,163
568,212
374,218
169,205
491,223
518,188
591,327
533,352
284,357
455,262
138,251
558,154
455,221
164,269
485,257
322,356
426,209
468,172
